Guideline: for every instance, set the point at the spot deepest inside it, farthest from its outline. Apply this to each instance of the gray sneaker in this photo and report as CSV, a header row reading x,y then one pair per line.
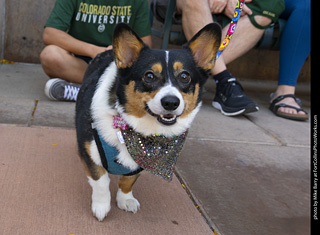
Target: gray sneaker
x,y
58,89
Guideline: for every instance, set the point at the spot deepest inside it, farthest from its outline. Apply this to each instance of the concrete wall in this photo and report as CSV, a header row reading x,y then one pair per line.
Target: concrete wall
x,y
264,65
21,27
2,21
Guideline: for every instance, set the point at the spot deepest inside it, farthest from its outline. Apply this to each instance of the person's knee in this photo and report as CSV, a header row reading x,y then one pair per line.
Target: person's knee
x,y
51,57
262,20
49,54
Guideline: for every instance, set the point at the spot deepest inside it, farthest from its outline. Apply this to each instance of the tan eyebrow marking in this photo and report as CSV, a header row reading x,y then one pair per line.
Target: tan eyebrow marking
x,y
177,66
157,68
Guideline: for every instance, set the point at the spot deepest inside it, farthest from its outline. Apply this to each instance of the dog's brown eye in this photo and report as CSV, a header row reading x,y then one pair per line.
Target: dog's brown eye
x,y
184,77
149,77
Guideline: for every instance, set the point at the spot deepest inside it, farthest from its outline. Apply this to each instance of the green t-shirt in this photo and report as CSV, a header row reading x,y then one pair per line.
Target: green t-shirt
x,y
93,21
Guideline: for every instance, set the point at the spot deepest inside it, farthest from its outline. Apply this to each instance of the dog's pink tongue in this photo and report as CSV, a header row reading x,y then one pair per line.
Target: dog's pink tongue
x,y
168,116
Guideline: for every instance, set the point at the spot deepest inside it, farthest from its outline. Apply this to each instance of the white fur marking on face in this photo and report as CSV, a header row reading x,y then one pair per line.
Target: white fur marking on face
x,y
155,103
148,125
167,58
167,63
101,196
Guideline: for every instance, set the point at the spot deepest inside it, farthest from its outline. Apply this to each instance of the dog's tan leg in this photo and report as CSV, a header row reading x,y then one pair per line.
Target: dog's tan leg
x,y
125,199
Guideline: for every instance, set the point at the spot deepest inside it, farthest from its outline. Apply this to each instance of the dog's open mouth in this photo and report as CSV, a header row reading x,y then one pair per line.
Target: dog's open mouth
x,y
165,119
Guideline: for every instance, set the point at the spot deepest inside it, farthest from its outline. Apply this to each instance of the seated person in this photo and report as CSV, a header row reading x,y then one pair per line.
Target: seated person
x,y
77,31
256,16
297,35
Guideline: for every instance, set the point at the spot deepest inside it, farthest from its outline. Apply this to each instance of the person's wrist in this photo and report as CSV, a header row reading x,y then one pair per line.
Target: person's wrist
x,y
93,51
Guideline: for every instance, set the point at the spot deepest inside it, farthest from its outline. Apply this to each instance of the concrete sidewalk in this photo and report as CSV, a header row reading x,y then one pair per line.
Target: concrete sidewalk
x,y
44,191
247,174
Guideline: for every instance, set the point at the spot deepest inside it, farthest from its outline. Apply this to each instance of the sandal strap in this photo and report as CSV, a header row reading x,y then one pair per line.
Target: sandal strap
x,y
281,97
275,107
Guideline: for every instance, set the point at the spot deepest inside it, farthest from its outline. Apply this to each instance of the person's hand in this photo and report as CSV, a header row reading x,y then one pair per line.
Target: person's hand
x,y
231,5
97,50
217,6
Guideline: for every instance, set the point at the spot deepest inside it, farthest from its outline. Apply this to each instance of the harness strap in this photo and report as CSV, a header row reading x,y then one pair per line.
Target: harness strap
x,y
134,172
100,149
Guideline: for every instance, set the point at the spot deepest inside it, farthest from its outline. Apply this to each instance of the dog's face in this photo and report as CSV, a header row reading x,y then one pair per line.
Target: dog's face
x,y
159,92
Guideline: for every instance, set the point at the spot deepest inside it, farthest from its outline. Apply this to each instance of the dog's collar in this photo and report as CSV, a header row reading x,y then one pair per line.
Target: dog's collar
x,y
155,153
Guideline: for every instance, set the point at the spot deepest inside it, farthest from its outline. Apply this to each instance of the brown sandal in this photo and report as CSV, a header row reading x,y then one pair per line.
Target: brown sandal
x,y
274,107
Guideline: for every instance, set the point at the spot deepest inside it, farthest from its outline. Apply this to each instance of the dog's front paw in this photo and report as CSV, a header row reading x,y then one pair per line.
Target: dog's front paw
x,y
100,210
127,202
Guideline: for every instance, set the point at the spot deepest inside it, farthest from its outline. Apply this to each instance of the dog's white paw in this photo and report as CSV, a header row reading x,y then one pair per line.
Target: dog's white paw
x,y
100,210
131,205
127,202
101,197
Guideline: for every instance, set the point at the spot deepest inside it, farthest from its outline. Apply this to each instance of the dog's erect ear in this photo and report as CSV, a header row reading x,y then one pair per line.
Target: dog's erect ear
x,y
126,45
205,44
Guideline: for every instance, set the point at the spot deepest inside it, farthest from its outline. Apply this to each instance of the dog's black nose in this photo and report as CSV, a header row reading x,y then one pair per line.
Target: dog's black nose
x,y
170,102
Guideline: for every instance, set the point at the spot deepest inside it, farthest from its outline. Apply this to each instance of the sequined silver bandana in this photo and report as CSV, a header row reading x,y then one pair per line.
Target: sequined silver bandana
x,y
156,153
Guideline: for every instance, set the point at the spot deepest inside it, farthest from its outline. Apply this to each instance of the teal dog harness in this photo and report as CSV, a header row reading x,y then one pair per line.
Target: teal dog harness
x,y
108,155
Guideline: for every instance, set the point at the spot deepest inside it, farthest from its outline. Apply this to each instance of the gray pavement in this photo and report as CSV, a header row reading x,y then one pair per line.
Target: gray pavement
x,y
248,174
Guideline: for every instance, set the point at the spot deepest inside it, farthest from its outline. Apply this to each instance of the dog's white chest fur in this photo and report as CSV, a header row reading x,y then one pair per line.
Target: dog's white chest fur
x,y
102,115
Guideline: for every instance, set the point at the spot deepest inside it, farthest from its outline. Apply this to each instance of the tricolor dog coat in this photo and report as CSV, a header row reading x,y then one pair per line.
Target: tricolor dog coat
x,y
134,110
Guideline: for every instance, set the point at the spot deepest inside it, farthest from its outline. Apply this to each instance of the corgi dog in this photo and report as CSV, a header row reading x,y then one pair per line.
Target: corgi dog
x,y
134,109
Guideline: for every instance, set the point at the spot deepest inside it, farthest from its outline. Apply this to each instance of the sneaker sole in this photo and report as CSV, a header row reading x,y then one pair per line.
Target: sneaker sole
x,y
248,109
48,86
